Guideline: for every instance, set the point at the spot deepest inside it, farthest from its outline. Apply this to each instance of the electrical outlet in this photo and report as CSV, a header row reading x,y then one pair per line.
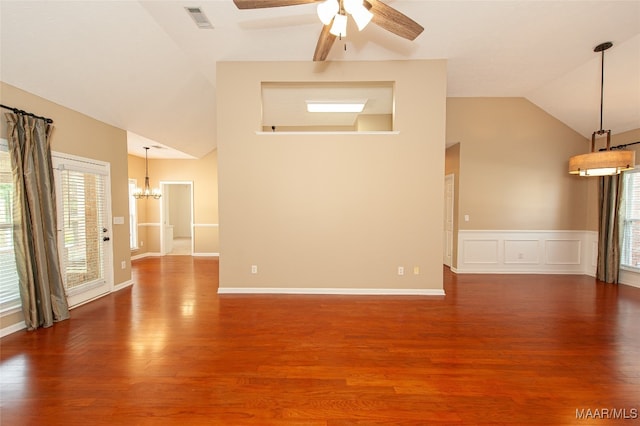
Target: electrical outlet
x,y
416,270
254,269
141,243
123,265
400,270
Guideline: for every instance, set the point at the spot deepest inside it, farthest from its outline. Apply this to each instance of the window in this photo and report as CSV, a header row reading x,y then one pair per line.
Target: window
x,y
133,216
630,216
9,287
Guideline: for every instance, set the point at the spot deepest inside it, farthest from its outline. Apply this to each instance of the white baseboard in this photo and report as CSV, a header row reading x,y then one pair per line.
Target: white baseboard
x,y
630,285
12,328
143,255
154,254
122,285
630,278
527,252
336,291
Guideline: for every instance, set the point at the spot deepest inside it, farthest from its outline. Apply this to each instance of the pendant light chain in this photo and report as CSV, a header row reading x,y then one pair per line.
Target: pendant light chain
x,y
601,87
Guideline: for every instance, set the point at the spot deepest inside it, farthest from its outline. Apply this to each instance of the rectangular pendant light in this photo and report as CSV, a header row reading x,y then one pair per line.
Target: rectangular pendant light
x,y
607,162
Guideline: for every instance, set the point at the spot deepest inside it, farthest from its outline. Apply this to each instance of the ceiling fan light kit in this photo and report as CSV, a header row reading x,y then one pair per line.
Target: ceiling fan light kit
x,y
605,162
339,27
358,12
336,11
327,10
333,15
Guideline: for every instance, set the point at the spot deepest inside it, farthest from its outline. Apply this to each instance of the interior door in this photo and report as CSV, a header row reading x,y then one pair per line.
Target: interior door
x,y
448,220
84,233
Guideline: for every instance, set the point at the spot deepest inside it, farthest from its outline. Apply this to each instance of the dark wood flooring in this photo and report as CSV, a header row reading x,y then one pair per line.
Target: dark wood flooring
x,y
498,349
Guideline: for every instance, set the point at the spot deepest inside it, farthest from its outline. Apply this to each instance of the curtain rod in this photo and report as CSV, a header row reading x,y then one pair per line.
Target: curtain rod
x,y
19,111
621,146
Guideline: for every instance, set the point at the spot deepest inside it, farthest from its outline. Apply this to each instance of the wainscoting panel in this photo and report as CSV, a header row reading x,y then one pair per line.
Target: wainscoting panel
x,y
537,252
563,252
478,251
522,251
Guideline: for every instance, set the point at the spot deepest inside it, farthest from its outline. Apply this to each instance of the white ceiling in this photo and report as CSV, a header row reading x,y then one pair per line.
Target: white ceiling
x,y
145,67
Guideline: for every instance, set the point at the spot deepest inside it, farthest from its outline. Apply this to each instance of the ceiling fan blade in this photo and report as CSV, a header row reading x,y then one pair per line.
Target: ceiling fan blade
x,y
391,20
325,42
261,4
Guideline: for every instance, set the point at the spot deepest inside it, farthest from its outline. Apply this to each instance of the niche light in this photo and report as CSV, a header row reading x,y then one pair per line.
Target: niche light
x,y
334,106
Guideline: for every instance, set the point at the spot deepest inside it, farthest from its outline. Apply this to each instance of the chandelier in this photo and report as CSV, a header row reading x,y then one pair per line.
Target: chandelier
x,y
605,162
147,191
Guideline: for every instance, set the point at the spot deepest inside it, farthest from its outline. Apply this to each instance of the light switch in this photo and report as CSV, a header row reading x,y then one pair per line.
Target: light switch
x,y
466,218
118,220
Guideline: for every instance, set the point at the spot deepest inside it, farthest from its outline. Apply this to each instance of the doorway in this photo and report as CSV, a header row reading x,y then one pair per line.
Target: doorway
x,y
84,222
176,217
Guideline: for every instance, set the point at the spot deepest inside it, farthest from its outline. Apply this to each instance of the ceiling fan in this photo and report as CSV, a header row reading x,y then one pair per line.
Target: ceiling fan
x,y
333,14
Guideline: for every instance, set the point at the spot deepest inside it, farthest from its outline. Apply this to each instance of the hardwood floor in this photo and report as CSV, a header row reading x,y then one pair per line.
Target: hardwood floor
x,y
498,349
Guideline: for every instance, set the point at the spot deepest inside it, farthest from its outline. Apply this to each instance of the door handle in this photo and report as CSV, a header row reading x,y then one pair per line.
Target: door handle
x,y
105,238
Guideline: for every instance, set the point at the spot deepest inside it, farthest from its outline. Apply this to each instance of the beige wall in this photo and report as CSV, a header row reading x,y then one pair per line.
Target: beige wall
x,y
513,166
203,173
318,211
80,135
374,122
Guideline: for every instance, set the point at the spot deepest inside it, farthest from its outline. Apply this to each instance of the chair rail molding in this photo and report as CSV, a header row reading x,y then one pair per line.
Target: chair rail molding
x,y
527,252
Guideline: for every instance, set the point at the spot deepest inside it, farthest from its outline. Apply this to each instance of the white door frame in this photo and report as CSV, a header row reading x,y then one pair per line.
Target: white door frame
x,y
448,226
61,161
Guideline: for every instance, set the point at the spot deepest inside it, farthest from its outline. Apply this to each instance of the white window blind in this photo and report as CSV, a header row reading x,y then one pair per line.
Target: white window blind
x,y
630,255
9,289
83,195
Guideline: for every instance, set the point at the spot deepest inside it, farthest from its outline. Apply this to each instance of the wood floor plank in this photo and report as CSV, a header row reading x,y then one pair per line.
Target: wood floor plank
x,y
498,350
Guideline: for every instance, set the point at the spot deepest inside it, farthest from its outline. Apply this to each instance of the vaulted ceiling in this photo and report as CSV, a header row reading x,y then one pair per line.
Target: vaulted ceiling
x,y
144,66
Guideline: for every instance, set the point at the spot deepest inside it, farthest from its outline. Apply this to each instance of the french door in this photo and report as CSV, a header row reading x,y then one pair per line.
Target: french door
x,y
84,233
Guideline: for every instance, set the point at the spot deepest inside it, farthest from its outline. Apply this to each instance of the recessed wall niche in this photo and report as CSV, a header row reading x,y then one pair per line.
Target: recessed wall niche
x,y
286,106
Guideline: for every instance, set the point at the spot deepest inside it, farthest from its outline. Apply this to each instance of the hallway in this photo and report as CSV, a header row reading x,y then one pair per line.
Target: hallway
x,y
180,247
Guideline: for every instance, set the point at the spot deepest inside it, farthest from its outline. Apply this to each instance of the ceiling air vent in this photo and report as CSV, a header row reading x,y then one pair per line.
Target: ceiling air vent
x,y
199,17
